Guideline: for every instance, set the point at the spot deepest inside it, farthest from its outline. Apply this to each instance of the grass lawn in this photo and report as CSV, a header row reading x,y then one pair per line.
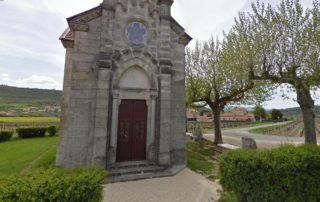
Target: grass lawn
x,y
201,160
263,129
22,155
7,106
29,120
249,125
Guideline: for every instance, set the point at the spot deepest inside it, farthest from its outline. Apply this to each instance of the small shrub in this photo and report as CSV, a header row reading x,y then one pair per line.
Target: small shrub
x,y
52,130
5,135
80,185
31,132
288,173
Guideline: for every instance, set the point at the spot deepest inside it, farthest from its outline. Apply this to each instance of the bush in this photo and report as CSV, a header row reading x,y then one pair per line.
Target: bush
x,y
54,185
5,135
288,173
31,132
52,130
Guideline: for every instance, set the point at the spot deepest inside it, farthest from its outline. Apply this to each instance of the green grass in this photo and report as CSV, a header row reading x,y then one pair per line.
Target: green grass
x,y
227,197
249,125
22,155
4,107
200,160
263,129
29,120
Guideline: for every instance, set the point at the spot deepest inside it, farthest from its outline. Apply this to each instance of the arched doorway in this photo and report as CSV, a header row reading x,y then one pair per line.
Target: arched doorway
x,y
133,121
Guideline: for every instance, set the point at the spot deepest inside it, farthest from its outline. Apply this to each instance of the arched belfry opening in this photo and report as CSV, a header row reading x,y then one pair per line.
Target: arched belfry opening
x,y
124,90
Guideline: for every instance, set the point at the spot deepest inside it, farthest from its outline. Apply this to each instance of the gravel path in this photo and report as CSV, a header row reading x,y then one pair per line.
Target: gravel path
x,y
187,186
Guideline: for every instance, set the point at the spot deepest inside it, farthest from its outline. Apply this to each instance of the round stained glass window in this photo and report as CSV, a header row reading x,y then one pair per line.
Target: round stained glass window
x,y
136,33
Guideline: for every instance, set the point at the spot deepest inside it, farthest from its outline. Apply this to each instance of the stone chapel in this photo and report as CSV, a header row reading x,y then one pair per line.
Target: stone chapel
x,y
123,104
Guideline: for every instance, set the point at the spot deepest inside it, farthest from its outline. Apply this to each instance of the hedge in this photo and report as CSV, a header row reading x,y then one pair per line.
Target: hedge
x,y
52,130
288,173
31,132
5,135
54,185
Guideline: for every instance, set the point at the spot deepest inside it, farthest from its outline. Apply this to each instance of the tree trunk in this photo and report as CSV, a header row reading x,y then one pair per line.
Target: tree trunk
x,y
307,106
217,125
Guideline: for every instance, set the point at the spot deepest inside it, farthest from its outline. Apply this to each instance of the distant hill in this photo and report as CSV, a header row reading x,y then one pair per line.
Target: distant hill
x,y
31,96
14,95
296,111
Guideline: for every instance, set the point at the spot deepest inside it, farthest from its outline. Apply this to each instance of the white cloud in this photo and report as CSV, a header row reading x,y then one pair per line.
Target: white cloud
x,y
5,78
40,81
33,81
70,7
22,52
203,18
37,79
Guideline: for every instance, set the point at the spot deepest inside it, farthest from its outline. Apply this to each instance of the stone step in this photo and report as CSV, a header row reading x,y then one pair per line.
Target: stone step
x,y
130,165
134,170
134,177
151,172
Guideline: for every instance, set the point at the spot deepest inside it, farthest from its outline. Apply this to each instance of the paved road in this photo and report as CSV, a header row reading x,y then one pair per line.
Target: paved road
x,y
233,136
187,186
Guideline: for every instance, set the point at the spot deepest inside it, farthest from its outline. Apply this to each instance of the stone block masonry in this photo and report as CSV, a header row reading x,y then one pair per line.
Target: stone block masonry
x,y
124,88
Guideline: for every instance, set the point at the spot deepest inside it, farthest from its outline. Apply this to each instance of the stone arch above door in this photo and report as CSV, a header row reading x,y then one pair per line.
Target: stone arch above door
x,y
135,78
124,63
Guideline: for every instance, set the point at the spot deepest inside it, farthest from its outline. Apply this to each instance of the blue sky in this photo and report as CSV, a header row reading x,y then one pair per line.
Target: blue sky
x,y
32,56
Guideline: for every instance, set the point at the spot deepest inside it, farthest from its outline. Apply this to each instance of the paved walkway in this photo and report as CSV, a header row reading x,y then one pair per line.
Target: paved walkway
x,y
187,186
234,136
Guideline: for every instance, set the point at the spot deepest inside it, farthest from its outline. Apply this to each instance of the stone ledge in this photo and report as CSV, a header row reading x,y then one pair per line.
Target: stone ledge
x,y
220,148
157,174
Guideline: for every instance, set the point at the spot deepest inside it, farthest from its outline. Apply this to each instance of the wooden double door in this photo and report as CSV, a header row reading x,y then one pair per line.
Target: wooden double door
x,y
132,130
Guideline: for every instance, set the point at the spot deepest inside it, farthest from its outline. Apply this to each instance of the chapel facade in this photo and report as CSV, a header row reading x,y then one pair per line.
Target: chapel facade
x,y
123,102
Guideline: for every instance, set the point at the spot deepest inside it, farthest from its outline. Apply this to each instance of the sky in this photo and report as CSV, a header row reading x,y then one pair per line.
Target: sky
x,y
32,56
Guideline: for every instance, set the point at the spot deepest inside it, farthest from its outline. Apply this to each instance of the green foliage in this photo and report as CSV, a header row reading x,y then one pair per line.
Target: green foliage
x,y
215,78
228,197
53,185
214,75
5,135
280,44
288,173
52,130
31,132
20,155
260,112
276,115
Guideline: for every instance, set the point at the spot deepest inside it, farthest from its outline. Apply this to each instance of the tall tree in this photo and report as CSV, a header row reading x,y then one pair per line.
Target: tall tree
x,y
260,112
282,45
214,78
276,114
